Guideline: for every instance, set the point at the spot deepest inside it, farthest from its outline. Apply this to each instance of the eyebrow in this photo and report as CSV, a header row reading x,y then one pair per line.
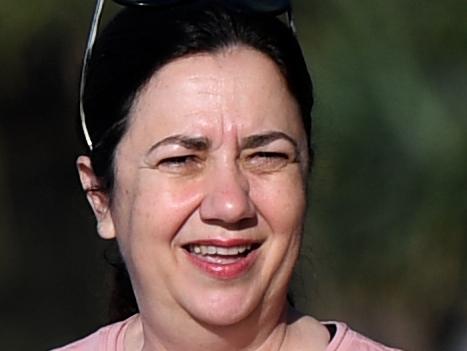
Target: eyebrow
x,y
202,143
259,140
191,143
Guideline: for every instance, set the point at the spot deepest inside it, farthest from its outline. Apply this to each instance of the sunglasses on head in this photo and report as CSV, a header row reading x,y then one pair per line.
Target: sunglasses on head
x,y
272,7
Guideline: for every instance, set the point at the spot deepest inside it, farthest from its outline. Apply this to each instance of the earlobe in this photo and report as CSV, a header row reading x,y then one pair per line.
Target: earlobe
x,y
98,199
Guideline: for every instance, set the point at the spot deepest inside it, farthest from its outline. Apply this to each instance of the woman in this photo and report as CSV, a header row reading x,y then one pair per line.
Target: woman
x,y
197,117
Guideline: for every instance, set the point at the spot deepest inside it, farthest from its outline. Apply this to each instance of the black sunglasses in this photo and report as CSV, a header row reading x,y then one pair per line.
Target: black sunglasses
x,y
273,7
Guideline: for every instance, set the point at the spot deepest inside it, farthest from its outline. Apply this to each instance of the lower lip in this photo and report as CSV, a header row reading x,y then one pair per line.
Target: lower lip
x,y
225,271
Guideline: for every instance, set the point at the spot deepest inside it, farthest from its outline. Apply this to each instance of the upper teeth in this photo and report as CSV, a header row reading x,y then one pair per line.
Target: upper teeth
x,y
216,250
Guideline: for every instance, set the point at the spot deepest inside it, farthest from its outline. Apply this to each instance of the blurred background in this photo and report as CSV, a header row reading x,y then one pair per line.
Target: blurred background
x,y
385,247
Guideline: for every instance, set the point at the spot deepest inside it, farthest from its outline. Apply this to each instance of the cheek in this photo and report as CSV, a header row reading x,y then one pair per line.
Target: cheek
x,y
158,208
282,203
148,222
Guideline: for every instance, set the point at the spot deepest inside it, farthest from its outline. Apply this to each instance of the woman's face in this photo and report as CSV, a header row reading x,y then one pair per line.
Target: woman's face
x,y
209,195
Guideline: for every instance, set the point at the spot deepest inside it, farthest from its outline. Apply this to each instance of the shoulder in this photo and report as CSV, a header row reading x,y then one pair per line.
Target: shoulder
x,y
347,339
109,338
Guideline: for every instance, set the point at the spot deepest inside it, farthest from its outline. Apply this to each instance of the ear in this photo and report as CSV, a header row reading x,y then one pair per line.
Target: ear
x,y
98,199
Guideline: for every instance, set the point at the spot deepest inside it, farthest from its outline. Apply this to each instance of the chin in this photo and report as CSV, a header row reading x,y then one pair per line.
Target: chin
x,y
222,309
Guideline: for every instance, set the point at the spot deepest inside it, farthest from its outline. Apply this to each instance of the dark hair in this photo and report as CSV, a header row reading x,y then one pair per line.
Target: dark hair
x,y
139,41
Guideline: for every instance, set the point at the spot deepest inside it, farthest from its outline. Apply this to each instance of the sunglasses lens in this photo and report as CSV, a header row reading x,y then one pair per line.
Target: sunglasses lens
x,y
152,3
265,6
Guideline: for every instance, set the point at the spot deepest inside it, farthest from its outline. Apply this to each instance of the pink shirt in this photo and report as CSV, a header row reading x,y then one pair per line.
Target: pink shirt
x,y
111,337
346,339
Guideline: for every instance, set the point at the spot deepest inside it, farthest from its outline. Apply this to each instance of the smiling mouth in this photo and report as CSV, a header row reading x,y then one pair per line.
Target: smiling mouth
x,y
221,254
223,260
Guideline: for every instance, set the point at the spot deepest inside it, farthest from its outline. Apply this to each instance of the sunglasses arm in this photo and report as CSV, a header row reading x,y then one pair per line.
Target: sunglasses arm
x,y
290,20
87,56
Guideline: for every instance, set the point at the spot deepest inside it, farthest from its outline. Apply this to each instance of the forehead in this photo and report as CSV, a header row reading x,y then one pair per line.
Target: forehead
x,y
238,86
231,60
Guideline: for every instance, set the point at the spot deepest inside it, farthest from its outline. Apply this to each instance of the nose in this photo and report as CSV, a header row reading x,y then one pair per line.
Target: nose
x,y
227,198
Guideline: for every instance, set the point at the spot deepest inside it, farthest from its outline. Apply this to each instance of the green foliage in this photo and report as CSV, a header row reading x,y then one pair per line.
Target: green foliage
x,y
389,189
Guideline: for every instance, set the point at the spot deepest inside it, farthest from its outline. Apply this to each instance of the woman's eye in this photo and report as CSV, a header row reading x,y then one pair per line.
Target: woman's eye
x,y
183,163
267,161
176,161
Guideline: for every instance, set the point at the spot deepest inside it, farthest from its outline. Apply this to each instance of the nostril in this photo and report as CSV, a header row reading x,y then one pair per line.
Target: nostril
x,y
233,226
